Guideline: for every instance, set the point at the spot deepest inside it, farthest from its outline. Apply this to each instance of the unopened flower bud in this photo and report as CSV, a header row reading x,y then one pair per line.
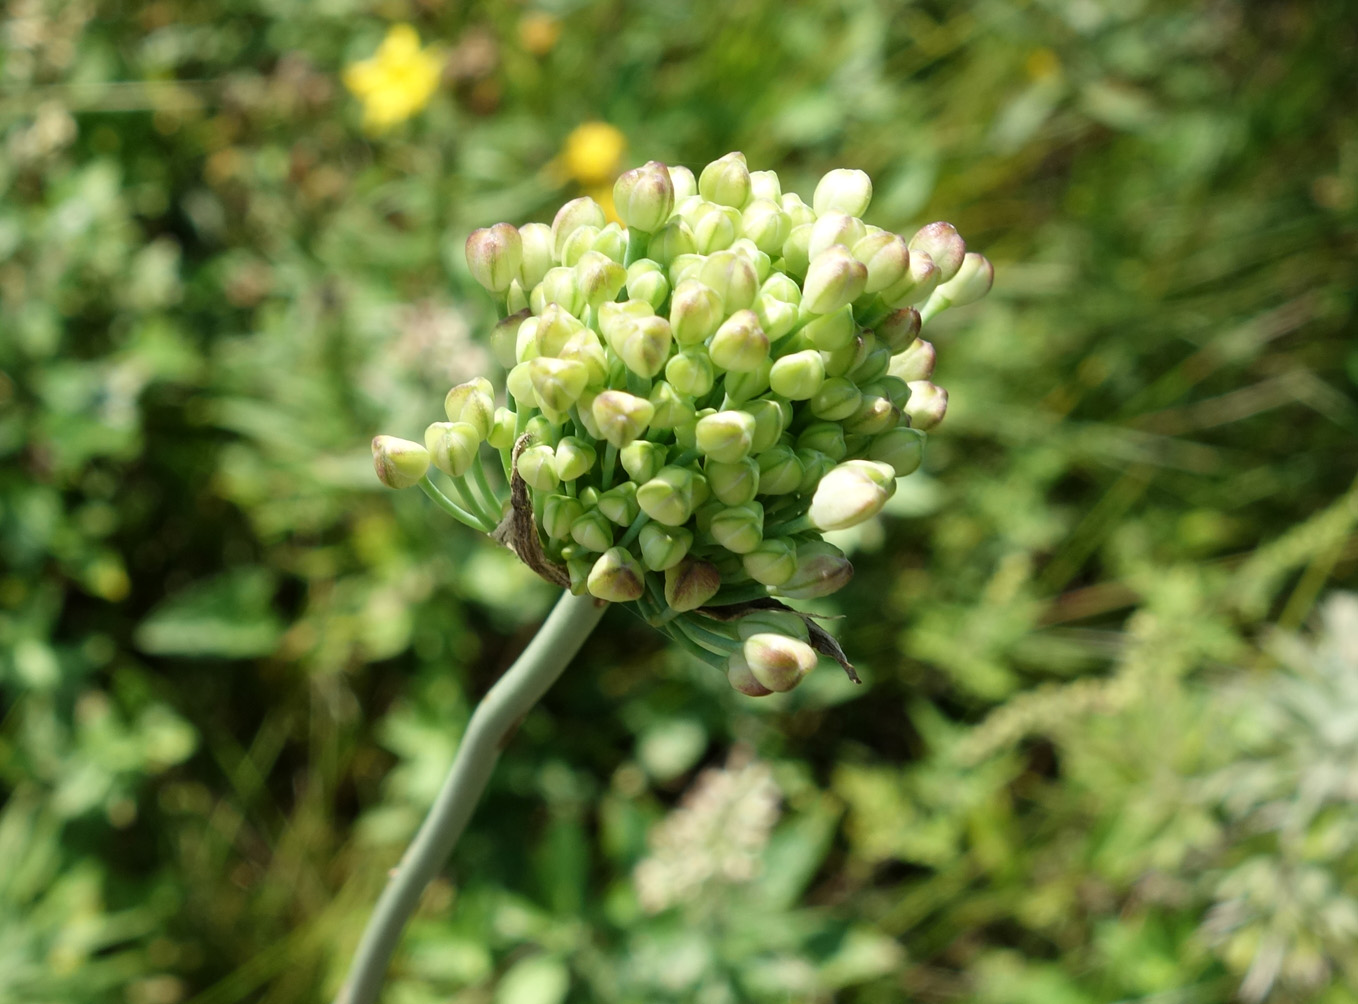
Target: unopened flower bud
x,y
770,419
714,227
916,285
776,317
690,583
452,446
519,385
834,228
780,472
593,531
739,528
581,212
842,190
494,255
670,497
797,376
537,466
644,196
695,312
832,331
599,278
559,512
853,492
833,279
621,417
838,362
691,372
875,414
777,661
764,222
644,347
836,400
797,250
972,281
927,405
787,623
557,383
899,330
739,344
943,244
619,503
772,563
823,437
762,263
671,408
399,463
725,436
902,448
646,282
822,569
886,258
501,435
558,286
741,387
539,253
915,363
742,679
732,277
575,458
797,210
504,338
617,577
663,546
642,459
671,241
873,363
472,402
733,484
765,185
578,244
726,181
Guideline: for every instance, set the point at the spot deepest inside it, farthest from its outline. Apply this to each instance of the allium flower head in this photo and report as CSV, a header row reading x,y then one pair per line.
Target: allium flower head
x,y
694,398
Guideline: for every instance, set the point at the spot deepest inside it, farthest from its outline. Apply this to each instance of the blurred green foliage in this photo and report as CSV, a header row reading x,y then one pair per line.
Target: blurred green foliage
x,y
1106,747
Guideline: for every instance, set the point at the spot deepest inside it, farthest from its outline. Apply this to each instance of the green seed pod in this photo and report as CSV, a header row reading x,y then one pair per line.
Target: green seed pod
x,y
539,253
581,212
853,492
644,196
797,376
725,436
833,279
902,448
739,529
494,255
823,437
642,459
646,282
739,344
663,546
797,250
764,222
557,383
690,583
452,446
915,363
732,277
778,662
501,435
836,400
886,258
691,372
842,190
832,229
619,503
472,402
399,463
672,241
899,330
537,466
621,417
671,496
592,531
617,577
822,569
944,246
733,484
780,472
726,181
927,405
599,278
740,677
772,563
575,458
559,512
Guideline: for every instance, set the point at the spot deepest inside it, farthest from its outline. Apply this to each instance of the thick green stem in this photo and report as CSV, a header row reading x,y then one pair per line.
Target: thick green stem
x,y
491,725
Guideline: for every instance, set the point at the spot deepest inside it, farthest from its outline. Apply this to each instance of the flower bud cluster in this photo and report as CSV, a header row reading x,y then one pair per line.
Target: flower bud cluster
x,y
695,396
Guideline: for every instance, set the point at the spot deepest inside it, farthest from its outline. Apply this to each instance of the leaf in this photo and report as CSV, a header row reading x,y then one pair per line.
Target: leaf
x,y
227,617
539,980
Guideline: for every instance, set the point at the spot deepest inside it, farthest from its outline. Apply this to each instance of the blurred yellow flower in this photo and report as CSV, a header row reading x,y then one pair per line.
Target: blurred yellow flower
x,y
603,194
538,32
593,154
397,81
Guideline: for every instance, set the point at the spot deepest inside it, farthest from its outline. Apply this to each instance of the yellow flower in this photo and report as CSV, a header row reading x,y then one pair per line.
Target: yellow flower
x,y
397,81
593,153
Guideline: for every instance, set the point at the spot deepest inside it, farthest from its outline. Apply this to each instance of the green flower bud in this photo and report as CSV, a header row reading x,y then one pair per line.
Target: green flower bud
x,y
494,255
559,512
902,448
915,363
916,284
504,338
578,244
537,466
781,286
612,243
780,472
592,531
739,345
691,372
772,563
579,572
741,387
822,569
472,402
642,459
691,583
671,496
686,186
776,317
621,417
765,185
778,662
539,253
557,383
452,446
770,419
581,212
399,463
663,546
853,492
619,503
646,282
726,181
842,190
833,331
644,196
733,484
944,246
838,362
501,435
833,279
526,342
615,319
836,400
823,437
733,279
672,241
815,465
832,229
549,332
873,363
725,436
558,286
695,312
599,278
899,330
762,263
644,347
519,384
742,679
797,210
617,577
714,227
886,258
797,250
740,528
787,623
972,281
874,415
765,223
586,349
927,405
797,376
575,458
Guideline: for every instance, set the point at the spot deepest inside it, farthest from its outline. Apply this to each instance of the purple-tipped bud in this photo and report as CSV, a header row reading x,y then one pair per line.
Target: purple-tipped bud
x,y
837,399
726,181
472,402
902,448
646,282
765,223
942,243
725,436
741,679
842,190
593,531
642,459
762,263
695,312
823,437
780,472
599,278
691,583
519,384
553,330
822,569
915,363
671,496
621,417
833,279
581,212
559,512
927,405
797,376
886,258
537,466
644,196
399,463
617,577
899,330
644,347
494,255
663,546
501,436
616,319
619,503
539,253
691,372
557,383
777,661
853,492
739,345
739,529
452,446
733,484
732,277
575,458
834,228
771,563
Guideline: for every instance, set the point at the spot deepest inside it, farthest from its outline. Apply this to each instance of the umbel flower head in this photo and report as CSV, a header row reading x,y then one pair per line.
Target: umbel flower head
x,y
693,397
